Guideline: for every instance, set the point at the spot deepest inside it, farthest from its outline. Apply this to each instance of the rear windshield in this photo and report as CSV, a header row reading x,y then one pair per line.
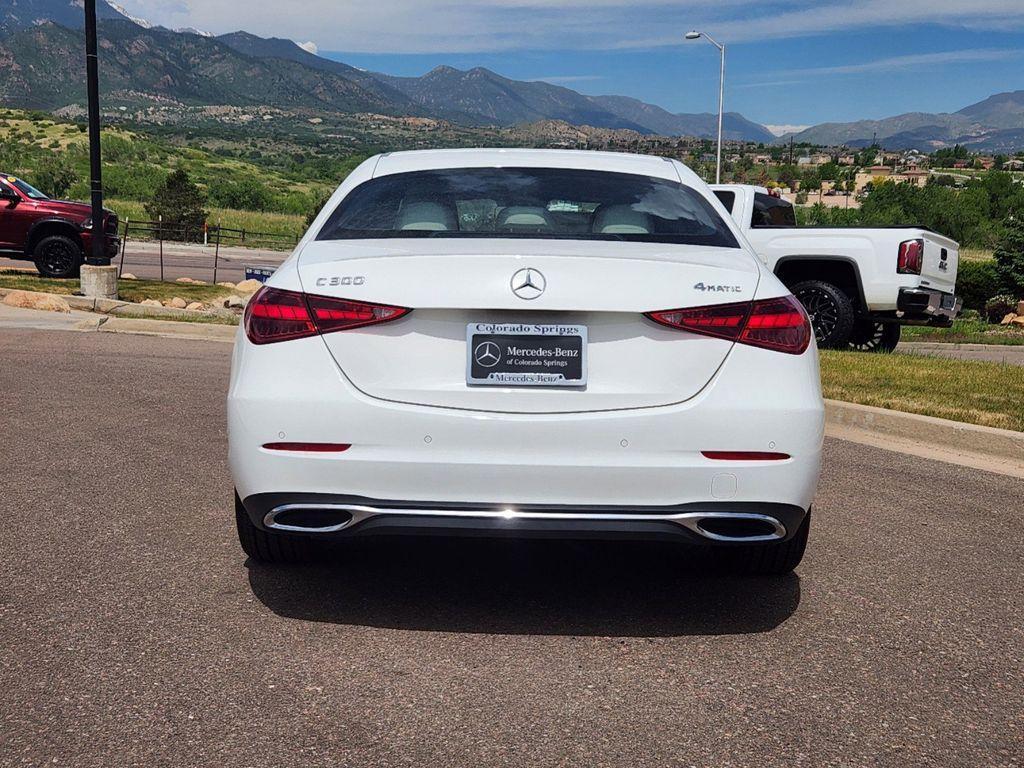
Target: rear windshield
x,y
770,211
546,203
728,199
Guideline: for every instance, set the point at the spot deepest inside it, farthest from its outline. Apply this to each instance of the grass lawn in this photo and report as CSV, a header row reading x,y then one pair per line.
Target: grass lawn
x,y
967,332
990,394
128,290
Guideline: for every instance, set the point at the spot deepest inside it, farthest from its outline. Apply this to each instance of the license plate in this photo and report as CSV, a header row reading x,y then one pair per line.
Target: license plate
x,y
526,354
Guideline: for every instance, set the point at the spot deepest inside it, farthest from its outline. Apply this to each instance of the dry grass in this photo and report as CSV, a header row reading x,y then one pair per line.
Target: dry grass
x,y
990,394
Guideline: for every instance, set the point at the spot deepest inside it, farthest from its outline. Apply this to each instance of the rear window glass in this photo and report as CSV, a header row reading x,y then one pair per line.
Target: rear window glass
x,y
770,211
728,199
545,203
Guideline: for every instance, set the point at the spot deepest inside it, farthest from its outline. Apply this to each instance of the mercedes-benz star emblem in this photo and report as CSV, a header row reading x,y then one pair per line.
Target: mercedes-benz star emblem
x,y
528,283
487,354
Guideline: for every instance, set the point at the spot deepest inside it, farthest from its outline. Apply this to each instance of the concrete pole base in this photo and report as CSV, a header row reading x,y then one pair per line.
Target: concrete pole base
x,y
99,282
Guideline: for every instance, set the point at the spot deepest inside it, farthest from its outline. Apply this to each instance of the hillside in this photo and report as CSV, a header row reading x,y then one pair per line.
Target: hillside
x,y
993,125
145,66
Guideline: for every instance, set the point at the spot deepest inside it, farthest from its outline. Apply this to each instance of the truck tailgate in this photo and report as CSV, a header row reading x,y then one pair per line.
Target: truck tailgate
x,y
941,259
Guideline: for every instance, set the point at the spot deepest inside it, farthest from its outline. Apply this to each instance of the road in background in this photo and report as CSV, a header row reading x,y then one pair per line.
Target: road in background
x,y
142,259
135,633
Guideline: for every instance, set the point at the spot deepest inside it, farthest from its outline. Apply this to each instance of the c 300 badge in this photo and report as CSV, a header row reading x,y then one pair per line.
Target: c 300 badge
x,y
340,280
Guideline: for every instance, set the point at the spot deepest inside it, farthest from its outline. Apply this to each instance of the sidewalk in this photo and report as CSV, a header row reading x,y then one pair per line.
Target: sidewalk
x,y
992,353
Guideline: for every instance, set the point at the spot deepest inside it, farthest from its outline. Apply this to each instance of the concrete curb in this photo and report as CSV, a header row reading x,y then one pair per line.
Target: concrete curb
x,y
1001,444
170,329
128,309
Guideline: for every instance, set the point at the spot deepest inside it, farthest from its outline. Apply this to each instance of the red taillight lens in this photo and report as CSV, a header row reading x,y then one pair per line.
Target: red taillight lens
x,y
277,315
910,258
779,324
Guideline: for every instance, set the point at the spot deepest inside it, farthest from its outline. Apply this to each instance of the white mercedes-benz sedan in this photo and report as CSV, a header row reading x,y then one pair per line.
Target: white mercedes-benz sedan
x,y
526,343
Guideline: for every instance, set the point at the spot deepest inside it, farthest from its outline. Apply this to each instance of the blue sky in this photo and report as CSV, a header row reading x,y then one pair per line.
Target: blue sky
x,y
792,63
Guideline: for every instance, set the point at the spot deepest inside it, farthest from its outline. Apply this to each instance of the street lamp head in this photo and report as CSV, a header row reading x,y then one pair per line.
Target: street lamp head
x,y
693,35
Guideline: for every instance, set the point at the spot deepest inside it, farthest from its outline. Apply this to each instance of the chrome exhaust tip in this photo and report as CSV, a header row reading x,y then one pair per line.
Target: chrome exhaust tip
x,y
739,527
305,518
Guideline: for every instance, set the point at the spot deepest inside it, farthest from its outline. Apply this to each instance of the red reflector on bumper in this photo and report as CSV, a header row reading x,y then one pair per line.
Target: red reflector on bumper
x,y
309,447
744,455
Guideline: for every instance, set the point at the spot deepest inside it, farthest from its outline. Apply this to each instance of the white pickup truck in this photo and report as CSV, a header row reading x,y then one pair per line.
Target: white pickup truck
x,y
859,285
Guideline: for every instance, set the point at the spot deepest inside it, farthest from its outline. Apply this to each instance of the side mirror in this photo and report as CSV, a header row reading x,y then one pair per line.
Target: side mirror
x,y
9,195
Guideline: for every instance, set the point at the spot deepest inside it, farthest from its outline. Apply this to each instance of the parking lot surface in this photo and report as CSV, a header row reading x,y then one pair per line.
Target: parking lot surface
x,y
134,633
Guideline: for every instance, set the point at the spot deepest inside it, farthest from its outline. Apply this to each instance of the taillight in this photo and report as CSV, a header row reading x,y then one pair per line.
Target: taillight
x,y
910,258
779,324
277,315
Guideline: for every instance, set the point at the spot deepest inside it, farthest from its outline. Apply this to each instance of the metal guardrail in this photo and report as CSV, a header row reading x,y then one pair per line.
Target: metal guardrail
x,y
208,235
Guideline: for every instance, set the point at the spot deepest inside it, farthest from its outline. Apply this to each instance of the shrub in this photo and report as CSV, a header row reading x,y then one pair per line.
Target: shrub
x,y
55,176
976,281
999,307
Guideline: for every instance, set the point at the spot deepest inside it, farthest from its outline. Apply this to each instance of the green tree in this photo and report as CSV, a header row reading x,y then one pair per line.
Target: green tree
x,y
179,202
1009,255
54,176
320,202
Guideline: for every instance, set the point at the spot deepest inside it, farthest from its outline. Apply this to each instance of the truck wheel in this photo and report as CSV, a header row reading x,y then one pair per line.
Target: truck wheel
x,y
776,558
58,256
869,336
266,546
830,310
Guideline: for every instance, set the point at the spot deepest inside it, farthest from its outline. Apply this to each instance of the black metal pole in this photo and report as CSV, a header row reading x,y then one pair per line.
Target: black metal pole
x,y
98,256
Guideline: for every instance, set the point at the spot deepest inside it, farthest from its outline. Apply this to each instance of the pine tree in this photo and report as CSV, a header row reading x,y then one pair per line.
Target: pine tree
x,y
1009,255
180,203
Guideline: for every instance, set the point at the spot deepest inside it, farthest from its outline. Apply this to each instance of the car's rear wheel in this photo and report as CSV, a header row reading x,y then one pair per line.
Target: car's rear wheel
x,y
869,336
774,558
831,312
267,546
58,256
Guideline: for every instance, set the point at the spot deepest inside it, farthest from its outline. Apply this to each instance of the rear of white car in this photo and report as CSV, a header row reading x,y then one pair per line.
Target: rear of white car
x,y
527,343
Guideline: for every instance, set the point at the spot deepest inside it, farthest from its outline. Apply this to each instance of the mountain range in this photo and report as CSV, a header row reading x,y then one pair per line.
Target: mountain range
x,y
41,67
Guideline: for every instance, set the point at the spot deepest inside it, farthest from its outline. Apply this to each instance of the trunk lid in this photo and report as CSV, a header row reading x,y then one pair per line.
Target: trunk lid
x,y
449,283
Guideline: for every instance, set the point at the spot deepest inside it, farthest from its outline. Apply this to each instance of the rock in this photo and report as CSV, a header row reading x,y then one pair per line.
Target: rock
x,y
183,280
150,303
1018,320
177,302
233,302
1007,319
1020,307
226,284
248,286
128,276
195,305
32,300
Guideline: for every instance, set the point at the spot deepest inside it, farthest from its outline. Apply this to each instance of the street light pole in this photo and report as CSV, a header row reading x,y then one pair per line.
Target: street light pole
x,y
694,35
98,256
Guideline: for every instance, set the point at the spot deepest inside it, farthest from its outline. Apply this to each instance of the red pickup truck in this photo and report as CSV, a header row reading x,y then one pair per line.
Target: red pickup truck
x,y
55,234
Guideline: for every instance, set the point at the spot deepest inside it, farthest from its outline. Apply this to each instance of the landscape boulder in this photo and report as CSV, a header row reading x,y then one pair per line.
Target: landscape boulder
x,y
248,286
32,300
128,276
191,281
150,303
1020,307
177,302
233,302
226,284
195,305
1007,319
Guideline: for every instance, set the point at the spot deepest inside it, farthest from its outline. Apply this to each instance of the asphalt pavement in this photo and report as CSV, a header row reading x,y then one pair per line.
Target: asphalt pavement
x,y
143,259
133,632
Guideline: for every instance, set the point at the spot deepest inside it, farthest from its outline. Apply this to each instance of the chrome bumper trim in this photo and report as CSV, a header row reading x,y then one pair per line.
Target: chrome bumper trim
x,y
689,520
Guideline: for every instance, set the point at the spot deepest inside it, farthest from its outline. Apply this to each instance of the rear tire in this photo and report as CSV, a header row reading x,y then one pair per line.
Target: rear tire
x,y
869,336
266,546
58,256
831,312
775,558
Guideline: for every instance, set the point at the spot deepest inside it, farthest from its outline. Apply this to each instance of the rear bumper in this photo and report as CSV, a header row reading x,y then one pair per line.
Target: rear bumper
x,y
352,516
927,306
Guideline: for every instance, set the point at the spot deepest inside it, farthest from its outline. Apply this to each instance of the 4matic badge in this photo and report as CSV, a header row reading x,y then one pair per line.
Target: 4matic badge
x,y
718,288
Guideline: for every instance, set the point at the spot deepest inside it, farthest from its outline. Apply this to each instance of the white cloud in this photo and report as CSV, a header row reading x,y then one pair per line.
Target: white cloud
x,y
309,46
447,26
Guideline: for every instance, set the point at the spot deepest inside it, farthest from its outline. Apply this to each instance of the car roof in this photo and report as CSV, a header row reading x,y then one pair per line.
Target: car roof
x,y
616,162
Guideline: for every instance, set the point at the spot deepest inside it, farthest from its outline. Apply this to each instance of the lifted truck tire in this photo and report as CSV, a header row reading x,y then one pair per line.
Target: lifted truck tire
x,y
831,311
869,336
58,256
267,546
